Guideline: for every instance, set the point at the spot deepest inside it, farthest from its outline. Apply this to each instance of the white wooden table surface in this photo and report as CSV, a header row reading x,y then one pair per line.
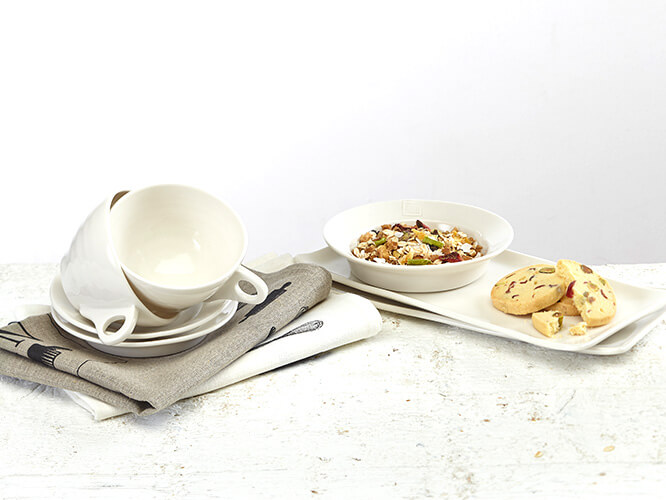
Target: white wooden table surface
x,y
421,410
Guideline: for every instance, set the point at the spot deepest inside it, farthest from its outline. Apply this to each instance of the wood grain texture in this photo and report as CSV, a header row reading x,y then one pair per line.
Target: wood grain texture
x,y
421,410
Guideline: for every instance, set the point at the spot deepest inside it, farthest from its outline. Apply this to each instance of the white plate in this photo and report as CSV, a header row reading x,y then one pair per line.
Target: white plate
x,y
147,352
184,322
617,343
493,232
149,348
628,337
471,305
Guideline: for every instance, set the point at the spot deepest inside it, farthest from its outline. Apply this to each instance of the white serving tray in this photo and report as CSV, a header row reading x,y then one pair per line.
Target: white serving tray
x,y
470,307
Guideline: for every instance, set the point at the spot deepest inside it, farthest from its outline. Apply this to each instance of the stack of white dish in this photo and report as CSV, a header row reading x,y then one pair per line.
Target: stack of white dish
x,y
151,272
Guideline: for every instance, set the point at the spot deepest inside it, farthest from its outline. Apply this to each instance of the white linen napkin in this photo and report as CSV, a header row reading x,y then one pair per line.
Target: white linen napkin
x,y
341,319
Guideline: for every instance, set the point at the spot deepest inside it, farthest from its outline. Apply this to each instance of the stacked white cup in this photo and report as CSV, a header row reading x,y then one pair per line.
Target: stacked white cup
x,y
142,257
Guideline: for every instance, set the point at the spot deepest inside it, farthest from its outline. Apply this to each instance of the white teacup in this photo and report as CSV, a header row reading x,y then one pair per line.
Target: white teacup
x,y
95,284
179,246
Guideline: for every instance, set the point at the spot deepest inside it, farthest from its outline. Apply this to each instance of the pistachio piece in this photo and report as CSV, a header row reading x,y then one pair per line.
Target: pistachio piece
x,y
586,269
429,241
418,262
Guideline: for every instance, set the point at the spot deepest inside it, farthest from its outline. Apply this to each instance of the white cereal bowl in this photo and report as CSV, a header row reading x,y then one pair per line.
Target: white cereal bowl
x,y
493,232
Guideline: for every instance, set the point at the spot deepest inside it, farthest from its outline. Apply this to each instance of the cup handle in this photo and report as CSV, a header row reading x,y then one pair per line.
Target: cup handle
x,y
102,318
231,289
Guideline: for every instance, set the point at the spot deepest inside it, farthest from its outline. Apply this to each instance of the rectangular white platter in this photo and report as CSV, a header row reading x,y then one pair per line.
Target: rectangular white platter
x,y
618,343
470,306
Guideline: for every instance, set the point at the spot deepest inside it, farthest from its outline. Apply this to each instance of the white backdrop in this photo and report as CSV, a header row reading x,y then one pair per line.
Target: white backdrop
x,y
552,114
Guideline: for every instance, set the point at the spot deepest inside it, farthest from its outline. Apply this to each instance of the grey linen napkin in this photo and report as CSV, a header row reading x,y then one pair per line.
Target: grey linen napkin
x,y
36,349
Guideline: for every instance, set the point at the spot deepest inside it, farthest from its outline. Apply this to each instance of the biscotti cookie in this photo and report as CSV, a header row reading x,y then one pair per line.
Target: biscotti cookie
x,y
548,322
528,290
565,305
592,295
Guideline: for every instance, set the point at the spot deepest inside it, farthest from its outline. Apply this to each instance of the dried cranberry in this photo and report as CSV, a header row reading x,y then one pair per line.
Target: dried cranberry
x,y
602,293
570,289
452,257
421,225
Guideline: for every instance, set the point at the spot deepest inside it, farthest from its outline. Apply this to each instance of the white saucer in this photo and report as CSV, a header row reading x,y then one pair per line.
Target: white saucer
x,y
148,352
150,348
184,322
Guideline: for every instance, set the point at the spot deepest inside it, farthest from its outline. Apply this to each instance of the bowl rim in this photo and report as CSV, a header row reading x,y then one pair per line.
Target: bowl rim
x,y
417,269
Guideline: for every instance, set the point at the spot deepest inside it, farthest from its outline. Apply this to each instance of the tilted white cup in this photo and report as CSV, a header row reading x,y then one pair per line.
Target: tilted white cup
x,y
95,284
179,246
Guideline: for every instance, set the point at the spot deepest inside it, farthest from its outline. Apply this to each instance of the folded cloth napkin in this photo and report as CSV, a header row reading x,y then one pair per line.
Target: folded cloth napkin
x,y
341,319
36,349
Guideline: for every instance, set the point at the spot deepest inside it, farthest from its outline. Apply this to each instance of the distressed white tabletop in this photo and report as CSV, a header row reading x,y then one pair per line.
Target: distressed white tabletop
x,y
421,410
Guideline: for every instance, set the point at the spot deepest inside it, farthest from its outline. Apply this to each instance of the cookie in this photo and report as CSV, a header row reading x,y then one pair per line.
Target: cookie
x,y
592,295
565,305
578,329
548,322
528,290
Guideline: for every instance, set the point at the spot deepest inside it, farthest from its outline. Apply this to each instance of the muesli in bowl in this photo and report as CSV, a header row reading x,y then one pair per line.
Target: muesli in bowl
x,y
416,244
486,235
